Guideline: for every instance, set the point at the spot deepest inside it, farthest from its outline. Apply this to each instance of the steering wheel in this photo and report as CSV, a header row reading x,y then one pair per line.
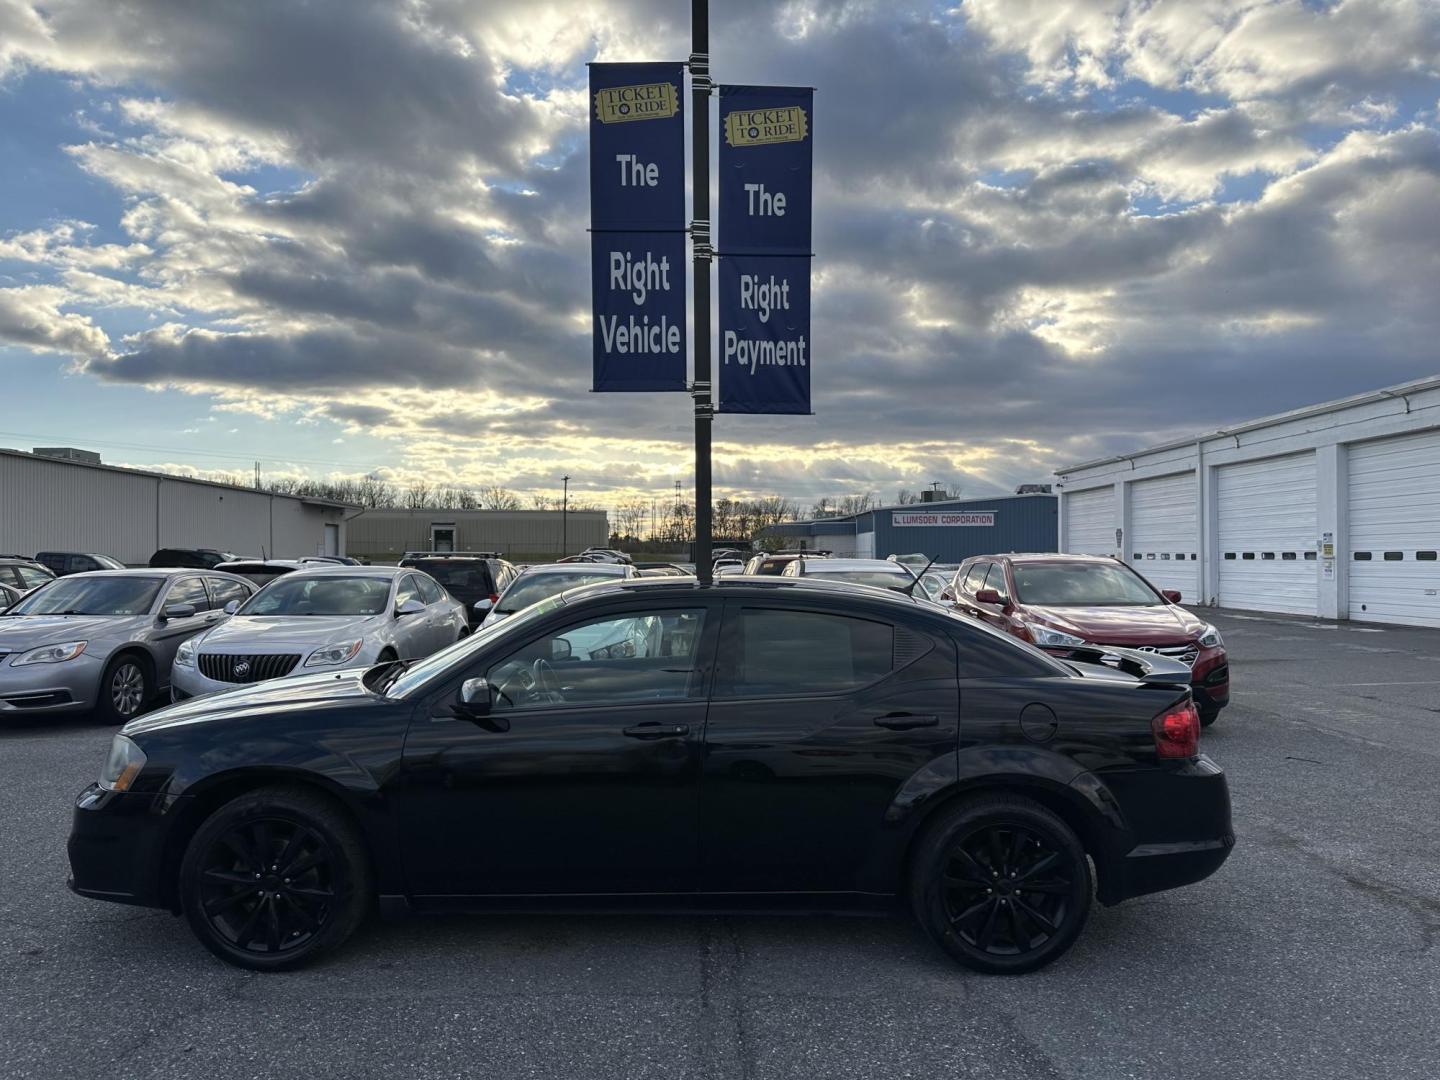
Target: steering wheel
x,y
545,680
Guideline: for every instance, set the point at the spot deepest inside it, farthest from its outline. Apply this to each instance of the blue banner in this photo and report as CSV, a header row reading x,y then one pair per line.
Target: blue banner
x,y
764,361
637,146
766,160
637,283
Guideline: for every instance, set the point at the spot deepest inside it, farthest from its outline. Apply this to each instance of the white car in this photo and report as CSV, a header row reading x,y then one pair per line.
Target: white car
x,y
318,619
538,583
878,572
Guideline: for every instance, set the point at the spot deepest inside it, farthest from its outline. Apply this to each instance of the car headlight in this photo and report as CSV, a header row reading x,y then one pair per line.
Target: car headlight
x,y
614,652
1210,637
50,654
185,655
122,766
330,655
1052,638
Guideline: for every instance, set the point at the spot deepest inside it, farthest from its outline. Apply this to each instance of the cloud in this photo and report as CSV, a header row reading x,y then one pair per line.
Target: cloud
x,y
31,317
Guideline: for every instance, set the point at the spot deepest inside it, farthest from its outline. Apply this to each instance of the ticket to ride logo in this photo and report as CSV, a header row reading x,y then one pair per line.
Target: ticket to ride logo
x,y
648,101
761,127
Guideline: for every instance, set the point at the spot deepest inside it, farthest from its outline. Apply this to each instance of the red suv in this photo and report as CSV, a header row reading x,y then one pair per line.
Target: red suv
x,y
1060,601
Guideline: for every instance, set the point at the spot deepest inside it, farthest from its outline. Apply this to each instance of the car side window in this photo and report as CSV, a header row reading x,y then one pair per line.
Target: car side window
x,y
429,591
975,580
223,591
803,652
996,580
631,658
30,578
409,590
188,590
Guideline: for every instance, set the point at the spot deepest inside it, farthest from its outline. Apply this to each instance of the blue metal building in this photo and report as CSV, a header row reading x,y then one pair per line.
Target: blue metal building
x,y
945,531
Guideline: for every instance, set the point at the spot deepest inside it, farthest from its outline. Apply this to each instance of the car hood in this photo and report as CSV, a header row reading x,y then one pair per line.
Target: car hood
x,y
1158,624
288,633
21,632
277,696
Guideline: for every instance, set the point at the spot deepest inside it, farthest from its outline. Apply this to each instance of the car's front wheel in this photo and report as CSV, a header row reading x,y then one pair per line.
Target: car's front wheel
x,y
1002,884
125,689
275,878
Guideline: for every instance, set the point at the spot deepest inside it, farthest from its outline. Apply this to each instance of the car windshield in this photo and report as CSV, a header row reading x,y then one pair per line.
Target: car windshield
x,y
91,596
878,578
422,672
1089,584
532,588
301,595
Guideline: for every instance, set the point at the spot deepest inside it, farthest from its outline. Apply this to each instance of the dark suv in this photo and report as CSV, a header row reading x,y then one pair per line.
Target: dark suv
x,y
191,558
475,578
61,563
23,574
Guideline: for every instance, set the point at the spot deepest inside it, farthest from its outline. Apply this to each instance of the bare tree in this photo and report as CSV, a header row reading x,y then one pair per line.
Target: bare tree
x,y
418,495
495,497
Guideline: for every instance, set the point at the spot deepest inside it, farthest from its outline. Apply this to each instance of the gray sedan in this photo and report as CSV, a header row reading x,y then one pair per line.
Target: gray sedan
x,y
105,640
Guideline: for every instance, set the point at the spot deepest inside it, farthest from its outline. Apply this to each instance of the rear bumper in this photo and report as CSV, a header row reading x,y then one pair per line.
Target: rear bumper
x,y
117,846
1178,828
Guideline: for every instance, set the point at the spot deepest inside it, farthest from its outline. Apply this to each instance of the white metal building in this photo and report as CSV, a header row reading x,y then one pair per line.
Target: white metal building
x,y
1331,510
50,503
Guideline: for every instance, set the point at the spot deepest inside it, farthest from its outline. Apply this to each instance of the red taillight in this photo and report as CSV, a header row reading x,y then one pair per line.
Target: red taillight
x,y
494,598
1177,731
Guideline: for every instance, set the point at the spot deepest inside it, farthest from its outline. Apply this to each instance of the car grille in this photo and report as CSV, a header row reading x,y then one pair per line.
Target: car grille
x,y
1185,653
247,669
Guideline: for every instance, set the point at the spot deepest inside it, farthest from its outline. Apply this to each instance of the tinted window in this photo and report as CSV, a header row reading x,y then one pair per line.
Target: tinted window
x,y
78,564
190,590
429,591
617,658
116,595
222,592
803,652
470,575
54,561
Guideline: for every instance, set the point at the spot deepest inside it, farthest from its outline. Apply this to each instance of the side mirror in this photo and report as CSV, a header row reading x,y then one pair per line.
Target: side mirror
x,y
475,697
484,605
178,611
232,607
409,607
560,649
1173,595
988,596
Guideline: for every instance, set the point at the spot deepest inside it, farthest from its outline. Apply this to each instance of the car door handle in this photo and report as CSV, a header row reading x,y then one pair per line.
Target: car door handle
x,y
906,721
656,731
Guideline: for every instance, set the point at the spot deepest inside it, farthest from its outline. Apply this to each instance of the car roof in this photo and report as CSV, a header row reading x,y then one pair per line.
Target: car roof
x,y
154,571
748,586
829,566
309,570
1050,556
613,569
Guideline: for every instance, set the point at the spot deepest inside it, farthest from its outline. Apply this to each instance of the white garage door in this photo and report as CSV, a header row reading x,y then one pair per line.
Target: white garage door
x,y
1267,535
1090,522
1164,541
865,545
1394,530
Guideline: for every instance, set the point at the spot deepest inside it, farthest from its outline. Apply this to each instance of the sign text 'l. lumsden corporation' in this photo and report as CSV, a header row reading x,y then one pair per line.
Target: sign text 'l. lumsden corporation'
x,y
766,161
950,518
637,221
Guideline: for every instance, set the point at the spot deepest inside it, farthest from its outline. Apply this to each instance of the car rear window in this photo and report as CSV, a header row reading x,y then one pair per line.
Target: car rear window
x,y
472,575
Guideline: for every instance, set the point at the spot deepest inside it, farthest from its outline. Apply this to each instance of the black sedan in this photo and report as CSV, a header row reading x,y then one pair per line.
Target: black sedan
x,y
764,743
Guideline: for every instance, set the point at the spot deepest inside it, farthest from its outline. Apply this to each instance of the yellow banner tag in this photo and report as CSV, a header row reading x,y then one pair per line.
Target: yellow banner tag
x,y
648,101
757,127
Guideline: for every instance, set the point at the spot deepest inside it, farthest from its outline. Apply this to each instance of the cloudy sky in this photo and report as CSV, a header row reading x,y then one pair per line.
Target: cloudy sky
x,y
348,236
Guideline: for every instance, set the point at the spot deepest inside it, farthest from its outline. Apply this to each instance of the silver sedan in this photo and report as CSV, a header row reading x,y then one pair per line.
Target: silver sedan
x,y
105,639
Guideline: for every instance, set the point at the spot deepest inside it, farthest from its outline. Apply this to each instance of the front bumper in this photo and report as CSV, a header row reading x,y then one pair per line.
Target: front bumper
x,y
117,846
1178,827
70,686
187,682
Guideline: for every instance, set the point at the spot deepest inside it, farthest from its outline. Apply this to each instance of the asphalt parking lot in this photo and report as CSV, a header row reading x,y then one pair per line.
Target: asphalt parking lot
x,y
1311,954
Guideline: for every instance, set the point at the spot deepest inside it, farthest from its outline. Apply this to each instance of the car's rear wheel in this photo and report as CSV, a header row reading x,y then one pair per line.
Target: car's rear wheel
x,y
1002,884
125,689
274,879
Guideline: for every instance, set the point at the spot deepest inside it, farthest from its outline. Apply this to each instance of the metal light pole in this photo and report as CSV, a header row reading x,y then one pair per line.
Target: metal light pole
x,y
565,519
700,86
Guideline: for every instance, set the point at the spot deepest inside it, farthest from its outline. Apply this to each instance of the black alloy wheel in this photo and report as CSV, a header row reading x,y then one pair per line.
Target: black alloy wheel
x,y
1002,884
273,879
